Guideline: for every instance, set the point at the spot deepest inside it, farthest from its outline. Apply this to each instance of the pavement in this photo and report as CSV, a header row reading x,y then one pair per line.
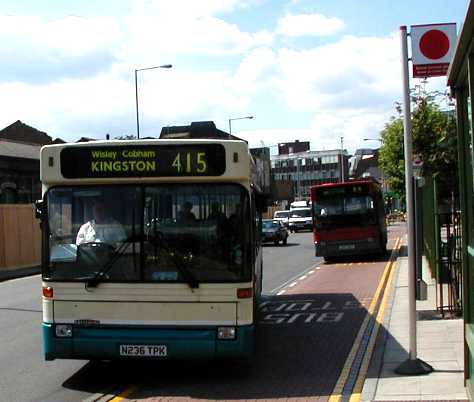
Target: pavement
x,y
440,343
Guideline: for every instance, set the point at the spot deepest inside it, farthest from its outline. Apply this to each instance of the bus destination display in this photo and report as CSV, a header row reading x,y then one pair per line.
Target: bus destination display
x,y
344,191
143,161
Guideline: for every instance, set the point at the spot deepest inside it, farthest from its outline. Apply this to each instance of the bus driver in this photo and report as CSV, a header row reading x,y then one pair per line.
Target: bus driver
x,y
100,229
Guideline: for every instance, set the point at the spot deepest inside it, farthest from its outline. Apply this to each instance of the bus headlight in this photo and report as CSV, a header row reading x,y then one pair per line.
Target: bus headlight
x,y
226,333
63,330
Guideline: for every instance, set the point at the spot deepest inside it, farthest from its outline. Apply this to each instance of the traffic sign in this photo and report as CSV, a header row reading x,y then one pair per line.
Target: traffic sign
x,y
417,165
432,47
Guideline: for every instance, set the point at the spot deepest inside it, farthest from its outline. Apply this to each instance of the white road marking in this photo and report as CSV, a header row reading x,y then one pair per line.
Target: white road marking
x,y
307,271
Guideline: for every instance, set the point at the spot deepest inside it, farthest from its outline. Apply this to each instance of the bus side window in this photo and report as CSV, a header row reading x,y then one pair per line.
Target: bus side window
x,y
256,218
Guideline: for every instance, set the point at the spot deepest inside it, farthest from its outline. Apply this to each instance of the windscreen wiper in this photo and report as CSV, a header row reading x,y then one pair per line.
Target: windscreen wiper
x,y
184,270
178,261
99,276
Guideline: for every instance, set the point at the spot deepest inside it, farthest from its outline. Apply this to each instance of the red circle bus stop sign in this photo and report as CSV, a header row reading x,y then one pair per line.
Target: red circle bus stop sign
x,y
432,47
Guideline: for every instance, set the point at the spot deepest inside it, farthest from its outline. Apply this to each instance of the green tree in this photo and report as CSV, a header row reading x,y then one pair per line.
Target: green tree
x,y
391,157
434,140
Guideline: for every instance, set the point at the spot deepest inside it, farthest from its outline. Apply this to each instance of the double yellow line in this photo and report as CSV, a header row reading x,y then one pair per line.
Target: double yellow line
x,y
124,394
337,392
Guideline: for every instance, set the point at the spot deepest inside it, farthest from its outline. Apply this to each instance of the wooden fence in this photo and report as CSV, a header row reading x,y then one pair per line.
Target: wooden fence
x,y
20,239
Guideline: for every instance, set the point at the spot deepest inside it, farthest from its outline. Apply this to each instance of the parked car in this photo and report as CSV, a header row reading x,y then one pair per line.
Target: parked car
x,y
274,231
300,219
282,216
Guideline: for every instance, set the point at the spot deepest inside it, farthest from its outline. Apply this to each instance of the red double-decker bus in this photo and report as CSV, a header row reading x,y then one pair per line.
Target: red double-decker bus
x,y
348,219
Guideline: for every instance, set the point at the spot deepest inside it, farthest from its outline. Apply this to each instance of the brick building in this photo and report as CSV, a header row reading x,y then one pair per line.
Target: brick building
x,y
20,145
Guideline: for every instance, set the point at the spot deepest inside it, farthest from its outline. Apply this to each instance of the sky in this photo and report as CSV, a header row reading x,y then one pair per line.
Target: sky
x,y
308,70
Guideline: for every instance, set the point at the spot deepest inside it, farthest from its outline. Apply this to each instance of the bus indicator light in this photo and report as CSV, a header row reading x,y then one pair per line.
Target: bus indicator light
x,y
244,293
48,292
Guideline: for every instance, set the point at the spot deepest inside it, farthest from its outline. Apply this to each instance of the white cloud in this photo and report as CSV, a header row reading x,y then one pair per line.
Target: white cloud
x,y
349,87
348,72
188,27
325,131
309,25
74,76
352,124
36,50
72,36
201,36
185,9
255,71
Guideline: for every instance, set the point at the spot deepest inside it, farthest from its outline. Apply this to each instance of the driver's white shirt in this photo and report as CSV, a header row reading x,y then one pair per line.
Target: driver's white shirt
x,y
107,232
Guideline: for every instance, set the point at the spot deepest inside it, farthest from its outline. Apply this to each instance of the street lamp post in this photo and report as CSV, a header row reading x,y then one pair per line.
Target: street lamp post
x,y
136,90
237,118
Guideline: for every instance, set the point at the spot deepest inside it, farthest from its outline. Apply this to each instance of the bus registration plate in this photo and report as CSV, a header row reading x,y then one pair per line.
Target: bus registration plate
x,y
347,247
143,350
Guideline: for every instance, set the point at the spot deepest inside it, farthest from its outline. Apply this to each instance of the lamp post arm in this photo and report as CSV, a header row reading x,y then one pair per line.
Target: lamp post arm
x,y
136,90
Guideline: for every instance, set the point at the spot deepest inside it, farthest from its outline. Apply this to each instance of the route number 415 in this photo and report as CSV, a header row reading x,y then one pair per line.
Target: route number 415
x,y
190,162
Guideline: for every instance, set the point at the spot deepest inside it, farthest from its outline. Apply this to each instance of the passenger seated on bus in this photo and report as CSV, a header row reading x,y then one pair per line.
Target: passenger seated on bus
x,y
101,228
185,215
216,214
219,219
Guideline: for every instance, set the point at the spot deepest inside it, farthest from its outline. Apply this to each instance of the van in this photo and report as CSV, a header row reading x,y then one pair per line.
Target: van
x,y
298,204
300,219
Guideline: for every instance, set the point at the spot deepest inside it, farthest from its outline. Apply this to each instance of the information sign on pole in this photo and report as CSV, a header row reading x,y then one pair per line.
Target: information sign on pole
x,y
432,47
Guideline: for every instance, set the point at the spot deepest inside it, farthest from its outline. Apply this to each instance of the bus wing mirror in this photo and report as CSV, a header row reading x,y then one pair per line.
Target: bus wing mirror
x,y
261,202
40,209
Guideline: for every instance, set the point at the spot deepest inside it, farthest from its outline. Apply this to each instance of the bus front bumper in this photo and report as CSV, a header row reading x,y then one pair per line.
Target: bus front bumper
x,y
183,343
342,248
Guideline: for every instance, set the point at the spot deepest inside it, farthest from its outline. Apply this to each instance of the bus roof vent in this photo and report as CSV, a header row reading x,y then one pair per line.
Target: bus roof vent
x,y
197,129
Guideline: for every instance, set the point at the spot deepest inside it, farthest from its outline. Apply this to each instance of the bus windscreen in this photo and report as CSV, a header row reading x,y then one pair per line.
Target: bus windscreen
x,y
152,233
343,206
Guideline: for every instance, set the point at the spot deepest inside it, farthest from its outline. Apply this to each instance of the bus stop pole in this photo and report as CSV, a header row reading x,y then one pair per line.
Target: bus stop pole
x,y
413,365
